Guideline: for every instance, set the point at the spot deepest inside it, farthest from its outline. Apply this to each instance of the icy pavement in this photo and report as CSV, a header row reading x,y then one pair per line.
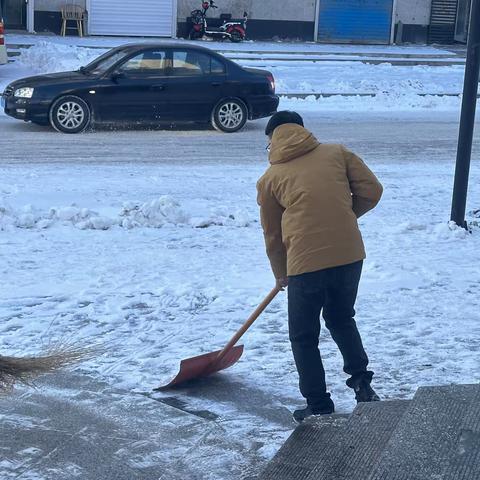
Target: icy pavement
x,y
75,426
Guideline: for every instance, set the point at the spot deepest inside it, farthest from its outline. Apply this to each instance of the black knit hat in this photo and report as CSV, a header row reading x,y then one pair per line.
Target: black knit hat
x,y
282,117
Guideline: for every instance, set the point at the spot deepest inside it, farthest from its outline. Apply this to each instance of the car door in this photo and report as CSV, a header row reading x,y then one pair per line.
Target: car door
x,y
135,91
195,84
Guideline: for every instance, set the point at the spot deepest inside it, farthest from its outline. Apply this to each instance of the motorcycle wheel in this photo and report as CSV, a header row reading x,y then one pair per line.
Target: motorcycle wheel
x,y
194,34
236,36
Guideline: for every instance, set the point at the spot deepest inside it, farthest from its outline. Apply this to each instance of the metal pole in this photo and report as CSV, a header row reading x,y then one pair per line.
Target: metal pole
x,y
467,119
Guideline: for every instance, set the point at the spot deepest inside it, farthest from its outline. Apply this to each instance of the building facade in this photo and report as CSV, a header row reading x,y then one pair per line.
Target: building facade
x,y
330,21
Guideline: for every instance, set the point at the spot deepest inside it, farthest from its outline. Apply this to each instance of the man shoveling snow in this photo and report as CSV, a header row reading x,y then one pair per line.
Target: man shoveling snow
x,y
310,198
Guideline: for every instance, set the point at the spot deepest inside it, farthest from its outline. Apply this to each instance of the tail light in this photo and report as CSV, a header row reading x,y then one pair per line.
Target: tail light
x,y
272,82
2,32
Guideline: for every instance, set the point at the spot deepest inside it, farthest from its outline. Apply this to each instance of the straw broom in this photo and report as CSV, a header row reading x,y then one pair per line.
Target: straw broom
x,y
26,369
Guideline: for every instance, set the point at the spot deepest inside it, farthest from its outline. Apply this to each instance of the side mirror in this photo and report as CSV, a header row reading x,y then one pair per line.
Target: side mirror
x,y
116,76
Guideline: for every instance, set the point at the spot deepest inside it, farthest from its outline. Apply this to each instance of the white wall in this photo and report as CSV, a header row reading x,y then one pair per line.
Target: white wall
x,y
55,5
300,10
235,7
416,12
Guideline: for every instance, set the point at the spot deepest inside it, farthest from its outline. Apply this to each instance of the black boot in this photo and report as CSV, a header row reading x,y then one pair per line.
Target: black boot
x,y
364,392
301,414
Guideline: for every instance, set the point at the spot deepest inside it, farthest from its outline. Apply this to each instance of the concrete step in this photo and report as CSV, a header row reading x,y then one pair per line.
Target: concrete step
x,y
361,442
437,438
337,450
299,455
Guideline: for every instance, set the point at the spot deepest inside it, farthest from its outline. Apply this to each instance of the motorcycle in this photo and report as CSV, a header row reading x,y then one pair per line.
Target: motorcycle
x,y
233,31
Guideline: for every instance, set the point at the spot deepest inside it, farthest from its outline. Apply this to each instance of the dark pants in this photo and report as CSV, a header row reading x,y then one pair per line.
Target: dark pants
x,y
334,290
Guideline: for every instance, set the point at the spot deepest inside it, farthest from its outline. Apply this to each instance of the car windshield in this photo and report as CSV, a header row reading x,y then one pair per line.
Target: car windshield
x,y
101,64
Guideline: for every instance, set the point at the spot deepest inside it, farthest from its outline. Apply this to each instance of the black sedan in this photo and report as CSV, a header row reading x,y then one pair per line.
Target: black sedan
x,y
162,83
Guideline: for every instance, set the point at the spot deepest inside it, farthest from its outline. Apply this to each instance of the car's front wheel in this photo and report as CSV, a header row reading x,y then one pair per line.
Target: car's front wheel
x,y
70,114
230,115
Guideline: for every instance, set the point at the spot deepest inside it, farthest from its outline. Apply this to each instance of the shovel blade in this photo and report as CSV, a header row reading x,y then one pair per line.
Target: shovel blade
x,y
203,365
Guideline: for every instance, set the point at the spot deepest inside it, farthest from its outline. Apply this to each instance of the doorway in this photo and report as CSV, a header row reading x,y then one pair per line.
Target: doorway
x,y
15,14
462,21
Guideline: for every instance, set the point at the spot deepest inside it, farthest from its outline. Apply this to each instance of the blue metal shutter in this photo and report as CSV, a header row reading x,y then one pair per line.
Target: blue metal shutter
x,y
355,21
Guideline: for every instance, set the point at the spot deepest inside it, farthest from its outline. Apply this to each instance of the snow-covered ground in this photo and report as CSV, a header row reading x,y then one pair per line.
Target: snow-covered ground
x,y
148,243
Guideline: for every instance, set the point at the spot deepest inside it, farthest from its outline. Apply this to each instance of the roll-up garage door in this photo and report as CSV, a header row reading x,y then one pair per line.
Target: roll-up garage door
x,y
442,21
134,17
355,21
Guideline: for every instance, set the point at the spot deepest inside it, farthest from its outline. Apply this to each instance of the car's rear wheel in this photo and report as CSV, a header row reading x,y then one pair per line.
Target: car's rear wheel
x,y
230,115
70,114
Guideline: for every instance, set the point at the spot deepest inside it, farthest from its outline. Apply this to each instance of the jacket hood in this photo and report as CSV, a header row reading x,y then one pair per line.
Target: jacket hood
x,y
291,141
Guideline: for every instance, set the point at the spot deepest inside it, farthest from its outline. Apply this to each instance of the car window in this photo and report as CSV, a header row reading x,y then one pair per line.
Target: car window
x,y
217,66
104,62
189,62
148,62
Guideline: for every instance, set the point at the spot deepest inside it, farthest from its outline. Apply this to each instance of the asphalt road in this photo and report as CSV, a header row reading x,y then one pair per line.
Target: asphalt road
x,y
382,138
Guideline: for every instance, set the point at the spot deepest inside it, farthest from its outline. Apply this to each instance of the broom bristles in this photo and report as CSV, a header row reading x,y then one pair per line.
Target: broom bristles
x,y
26,369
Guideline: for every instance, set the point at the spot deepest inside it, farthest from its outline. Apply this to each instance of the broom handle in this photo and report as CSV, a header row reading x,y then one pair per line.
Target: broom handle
x,y
248,323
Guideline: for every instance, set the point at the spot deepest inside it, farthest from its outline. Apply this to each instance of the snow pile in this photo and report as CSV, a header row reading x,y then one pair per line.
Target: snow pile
x,y
48,57
221,216
358,77
379,103
155,214
450,232
29,217
158,213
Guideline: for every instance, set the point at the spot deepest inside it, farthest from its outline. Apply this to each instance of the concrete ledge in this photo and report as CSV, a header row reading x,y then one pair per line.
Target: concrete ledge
x,y
334,447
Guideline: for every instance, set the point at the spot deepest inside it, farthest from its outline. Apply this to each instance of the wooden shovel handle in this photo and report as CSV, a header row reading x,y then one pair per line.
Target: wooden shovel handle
x,y
248,323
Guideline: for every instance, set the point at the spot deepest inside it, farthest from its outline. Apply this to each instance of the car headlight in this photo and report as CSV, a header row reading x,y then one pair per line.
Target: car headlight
x,y
25,92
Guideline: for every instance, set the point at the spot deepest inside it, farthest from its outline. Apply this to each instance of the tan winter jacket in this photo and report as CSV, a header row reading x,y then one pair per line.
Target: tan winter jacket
x,y
310,198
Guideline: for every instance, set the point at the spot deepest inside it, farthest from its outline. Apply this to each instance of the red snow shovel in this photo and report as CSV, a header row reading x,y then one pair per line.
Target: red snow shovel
x,y
213,362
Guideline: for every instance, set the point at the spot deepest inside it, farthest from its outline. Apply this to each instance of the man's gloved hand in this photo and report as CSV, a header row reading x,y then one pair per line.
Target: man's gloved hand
x,y
282,283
